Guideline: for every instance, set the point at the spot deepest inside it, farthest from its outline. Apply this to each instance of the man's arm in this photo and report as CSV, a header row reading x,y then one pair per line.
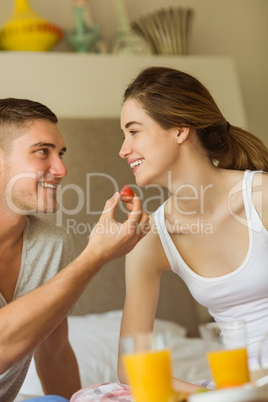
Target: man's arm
x,y
56,363
27,321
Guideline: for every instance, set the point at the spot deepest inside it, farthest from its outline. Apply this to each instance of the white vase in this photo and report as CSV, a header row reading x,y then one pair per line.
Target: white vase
x,y
126,41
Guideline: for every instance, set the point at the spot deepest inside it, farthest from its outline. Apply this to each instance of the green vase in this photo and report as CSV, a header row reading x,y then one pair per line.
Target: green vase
x,y
83,38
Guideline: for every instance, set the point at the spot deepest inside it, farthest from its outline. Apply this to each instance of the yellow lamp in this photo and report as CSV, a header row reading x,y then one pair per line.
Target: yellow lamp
x,y
28,31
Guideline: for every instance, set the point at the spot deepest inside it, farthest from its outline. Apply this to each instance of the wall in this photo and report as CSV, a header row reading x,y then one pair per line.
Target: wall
x,y
92,85
237,28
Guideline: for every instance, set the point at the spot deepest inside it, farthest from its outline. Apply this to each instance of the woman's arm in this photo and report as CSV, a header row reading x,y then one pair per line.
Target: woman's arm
x,y
144,267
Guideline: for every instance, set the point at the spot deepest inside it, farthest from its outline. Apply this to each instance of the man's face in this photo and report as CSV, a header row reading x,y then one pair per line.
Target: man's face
x,y
32,170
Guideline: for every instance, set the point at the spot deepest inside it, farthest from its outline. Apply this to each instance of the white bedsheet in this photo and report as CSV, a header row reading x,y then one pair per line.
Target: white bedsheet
x,y
94,338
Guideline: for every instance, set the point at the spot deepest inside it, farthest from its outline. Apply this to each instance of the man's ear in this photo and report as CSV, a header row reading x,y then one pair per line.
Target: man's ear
x,y
182,134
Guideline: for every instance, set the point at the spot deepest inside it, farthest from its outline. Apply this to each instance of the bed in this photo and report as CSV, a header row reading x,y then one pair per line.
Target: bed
x,y
94,338
95,172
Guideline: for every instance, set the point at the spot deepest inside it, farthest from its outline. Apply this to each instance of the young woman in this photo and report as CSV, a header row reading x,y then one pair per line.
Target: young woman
x,y
212,231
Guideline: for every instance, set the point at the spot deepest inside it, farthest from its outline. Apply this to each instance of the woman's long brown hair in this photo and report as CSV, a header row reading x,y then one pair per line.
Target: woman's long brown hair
x,y
176,99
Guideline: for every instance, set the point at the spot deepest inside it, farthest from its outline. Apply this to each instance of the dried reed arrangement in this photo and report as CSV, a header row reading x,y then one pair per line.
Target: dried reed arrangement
x,y
166,30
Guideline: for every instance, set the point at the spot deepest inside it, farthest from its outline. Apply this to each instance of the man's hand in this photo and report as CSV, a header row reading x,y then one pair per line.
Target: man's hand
x,y
111,239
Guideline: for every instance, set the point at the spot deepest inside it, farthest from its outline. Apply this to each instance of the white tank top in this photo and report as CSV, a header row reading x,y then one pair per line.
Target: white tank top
x,y
241,294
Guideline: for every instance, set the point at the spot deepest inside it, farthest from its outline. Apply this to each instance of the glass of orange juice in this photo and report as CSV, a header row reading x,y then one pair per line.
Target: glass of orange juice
x,y
147,361
226,349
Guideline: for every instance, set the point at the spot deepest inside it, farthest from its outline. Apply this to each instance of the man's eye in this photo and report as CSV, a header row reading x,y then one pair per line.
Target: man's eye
x,y
43,151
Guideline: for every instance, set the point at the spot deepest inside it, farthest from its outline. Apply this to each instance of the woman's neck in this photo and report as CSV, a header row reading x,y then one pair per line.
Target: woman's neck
x,y
197,189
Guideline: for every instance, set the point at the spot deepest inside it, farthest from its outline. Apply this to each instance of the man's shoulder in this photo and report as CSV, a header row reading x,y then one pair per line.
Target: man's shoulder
x,y
40,225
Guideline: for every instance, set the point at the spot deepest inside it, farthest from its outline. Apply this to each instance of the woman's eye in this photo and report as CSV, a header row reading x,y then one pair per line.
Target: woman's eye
x,y
133,132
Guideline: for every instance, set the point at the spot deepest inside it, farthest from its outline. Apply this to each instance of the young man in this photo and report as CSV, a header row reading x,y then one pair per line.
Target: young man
x,y
34,297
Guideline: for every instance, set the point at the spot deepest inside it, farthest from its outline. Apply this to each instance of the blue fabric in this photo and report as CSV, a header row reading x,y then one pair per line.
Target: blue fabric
x,y
48,398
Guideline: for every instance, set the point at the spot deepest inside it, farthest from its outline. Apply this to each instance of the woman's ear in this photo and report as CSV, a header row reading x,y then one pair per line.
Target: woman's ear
x,y
182,134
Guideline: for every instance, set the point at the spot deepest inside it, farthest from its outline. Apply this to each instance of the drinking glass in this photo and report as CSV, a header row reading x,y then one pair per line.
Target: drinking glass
x,y
147,361
263,355
226,349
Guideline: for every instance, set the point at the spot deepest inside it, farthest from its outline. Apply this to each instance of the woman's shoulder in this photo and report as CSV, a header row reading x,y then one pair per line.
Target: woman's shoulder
x,y
260,195
259,175
149,250
152,240
260,184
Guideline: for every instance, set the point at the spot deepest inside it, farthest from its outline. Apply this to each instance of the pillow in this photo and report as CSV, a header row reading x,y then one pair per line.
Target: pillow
x,y
94,338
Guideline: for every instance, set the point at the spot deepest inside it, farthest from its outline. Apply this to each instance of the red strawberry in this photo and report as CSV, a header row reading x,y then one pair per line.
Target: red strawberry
x,y
126,194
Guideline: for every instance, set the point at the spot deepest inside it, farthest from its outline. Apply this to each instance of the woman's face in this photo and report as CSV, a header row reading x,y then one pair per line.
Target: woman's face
x,y
150,150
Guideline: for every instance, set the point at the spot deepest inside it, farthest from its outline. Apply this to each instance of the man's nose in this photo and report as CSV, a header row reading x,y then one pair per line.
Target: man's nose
x,y
58,168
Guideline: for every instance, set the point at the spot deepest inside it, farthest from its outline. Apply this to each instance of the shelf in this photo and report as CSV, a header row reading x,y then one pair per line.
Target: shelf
x,y
92,85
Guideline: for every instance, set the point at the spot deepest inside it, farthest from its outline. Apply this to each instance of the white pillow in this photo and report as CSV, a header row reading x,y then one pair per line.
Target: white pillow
x,y
94,338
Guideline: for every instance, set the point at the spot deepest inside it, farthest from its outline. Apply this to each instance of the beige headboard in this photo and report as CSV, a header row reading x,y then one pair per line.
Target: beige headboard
x,y
95,172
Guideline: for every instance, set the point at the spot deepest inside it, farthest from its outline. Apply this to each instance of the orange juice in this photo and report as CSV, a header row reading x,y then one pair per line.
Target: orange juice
x,y
229,367
149,375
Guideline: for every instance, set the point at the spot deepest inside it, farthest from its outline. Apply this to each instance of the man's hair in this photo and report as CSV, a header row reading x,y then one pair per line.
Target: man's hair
x,y
18,114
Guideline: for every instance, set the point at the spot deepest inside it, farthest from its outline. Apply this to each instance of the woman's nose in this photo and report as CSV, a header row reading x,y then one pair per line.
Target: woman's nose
x,y
125,150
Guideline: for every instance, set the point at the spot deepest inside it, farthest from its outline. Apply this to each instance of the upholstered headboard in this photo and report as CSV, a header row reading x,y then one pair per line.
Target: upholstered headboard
x,y
95,172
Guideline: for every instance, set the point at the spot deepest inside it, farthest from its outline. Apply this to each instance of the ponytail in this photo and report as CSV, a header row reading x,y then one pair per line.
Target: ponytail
x,y
244,151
